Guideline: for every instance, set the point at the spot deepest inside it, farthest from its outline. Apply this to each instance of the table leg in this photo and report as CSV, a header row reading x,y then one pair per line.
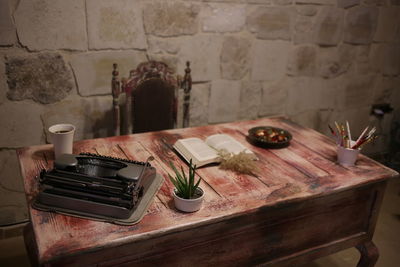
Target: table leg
x,y
369,254
30,245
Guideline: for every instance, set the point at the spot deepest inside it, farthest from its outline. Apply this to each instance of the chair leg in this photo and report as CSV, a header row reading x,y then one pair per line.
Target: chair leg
x,y
116,90
117,120
30,245
128,121
187,87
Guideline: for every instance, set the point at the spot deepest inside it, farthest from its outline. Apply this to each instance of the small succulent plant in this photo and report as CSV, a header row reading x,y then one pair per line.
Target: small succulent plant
x,y
185,185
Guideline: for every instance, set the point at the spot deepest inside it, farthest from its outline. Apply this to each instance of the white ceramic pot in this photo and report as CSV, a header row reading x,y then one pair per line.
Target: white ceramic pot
x,y
188,205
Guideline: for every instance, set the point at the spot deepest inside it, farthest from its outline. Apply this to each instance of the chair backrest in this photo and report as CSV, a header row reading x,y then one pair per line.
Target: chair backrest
x,y
152,93
153,106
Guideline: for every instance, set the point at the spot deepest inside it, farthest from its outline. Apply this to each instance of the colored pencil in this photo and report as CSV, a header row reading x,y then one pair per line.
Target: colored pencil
x,y
348,131
361,136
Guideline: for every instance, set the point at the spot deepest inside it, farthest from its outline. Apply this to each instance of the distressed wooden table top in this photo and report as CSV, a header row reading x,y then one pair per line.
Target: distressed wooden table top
x,y
305,169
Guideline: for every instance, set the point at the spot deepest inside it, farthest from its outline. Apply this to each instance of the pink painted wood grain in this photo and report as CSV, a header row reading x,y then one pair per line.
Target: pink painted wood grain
x,y
305,169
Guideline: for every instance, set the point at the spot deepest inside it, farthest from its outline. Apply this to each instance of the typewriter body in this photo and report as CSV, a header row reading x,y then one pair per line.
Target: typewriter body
x,y
94,186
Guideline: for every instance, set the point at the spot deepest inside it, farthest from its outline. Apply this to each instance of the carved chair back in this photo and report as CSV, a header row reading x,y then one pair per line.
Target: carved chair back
x,y
149,100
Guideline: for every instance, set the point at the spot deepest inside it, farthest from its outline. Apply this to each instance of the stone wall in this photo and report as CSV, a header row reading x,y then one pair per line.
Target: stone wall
x,y
314,60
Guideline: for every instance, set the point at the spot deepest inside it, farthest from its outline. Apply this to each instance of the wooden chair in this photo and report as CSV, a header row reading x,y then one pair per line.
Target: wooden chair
x,y
151,99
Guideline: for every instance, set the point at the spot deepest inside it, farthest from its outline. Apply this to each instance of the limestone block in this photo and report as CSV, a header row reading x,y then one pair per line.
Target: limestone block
x,y
376,57
199,97
7,28
324,119
51,24
13,212
317,2
224,101
358,92
93,69
265,2
235,57
269,60
274,96
203,52
302,61
329,24
391,63
171,61
308,118
382,144
115,24
357,122
397,34
360,24
11,179
362,59
270,22
346,55
162,45
379,2
389,20
310,94
358,119
303,29
306,10
282,2
3,81
92,116
225,1
171,18
384,89
395,96
347,3
333,61
250,99
223,18
21,124
13,206
43,77
328,63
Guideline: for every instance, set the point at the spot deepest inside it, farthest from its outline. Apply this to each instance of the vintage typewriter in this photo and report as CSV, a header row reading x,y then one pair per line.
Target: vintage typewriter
x,y
94,186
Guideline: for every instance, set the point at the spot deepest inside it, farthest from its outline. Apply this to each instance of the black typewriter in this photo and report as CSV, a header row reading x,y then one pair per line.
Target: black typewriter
x,y
94,186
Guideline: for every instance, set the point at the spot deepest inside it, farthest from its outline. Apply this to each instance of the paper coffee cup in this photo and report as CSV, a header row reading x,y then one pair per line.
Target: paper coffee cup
x,y
62,137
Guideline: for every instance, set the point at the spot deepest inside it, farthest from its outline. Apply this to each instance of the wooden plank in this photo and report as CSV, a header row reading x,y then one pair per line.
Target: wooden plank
x,y
163,167
323,147
226,185
317,172
263,236
300,173
280,164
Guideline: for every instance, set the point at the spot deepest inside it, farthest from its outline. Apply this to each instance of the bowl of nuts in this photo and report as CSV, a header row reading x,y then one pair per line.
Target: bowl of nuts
x,y
269,137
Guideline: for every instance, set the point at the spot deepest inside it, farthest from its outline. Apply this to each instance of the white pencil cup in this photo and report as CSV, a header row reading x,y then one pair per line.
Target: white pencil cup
x,y
62,137
347,156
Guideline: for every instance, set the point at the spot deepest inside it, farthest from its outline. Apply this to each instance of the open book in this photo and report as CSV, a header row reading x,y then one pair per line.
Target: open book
x,y
205,152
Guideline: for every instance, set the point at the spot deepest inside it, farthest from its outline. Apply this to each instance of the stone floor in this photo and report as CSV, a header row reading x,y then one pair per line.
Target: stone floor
x,y
387,238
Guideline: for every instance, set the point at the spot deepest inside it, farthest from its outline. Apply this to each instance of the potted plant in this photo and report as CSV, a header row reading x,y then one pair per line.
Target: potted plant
x,y
188,196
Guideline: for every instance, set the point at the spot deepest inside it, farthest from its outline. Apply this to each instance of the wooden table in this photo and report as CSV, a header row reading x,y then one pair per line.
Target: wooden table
x,y
303,206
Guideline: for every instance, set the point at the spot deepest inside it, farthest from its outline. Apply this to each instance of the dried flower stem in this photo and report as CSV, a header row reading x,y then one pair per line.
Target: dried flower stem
x,y
241,163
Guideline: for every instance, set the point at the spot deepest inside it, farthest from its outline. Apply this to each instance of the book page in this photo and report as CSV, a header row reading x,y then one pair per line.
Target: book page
x,y
223,141
197,150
